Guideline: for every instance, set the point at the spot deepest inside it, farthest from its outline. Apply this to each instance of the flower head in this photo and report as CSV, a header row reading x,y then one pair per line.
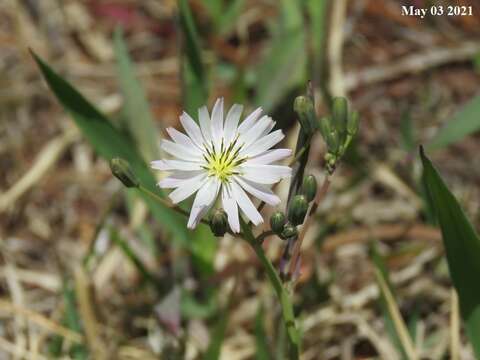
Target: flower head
x,y
223,158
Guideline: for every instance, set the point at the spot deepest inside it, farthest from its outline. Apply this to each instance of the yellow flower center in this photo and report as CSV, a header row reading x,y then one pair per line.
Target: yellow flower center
x,y
223,163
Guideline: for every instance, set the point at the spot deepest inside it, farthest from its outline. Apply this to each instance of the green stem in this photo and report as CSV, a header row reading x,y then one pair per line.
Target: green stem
x,y
282,293
166,202
293,161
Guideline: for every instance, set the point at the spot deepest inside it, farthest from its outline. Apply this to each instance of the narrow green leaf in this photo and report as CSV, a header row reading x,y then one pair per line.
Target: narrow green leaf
x,y
263,351
379,263
407,131
193,73
139,119
130,254
73,322
217,337
109,143
284,66
465,122
462,247
229,17
317,10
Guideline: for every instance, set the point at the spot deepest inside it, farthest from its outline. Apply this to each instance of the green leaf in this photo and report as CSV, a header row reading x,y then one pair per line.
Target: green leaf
x,y
407,132
317,11
229,17
137,263
73,322
263,351
139,119
194,81
217,337
284,66
462,247
109,143
465,122
379,263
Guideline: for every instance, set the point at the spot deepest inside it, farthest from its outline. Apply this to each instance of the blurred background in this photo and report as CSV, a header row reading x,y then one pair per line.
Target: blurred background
x,y
86,272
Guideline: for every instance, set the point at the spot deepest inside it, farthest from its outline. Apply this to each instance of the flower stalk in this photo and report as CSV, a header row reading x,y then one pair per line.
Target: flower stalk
x,y
282,293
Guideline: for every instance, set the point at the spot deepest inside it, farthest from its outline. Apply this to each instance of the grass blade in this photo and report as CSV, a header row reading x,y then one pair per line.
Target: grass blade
x,y
394,313
380,266
317,9
193,73
465,122
263,351
462,247
139,119
284,67
73,322
109,143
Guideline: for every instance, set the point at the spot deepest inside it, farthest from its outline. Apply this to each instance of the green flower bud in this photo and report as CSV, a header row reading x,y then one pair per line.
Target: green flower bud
x,y
333,142
309,187
325,126
219,223
298,209
289,231
340,114
277,222
353,122
122,171
305,109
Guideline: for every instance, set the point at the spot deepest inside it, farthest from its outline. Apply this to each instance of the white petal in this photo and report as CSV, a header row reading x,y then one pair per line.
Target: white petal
x,y
265,174
166,165
260,191
270,156
249,120
268,129
192,129
217,123
177,178
256,131
187,188
181,151
181,138
231,208
204,119
245,204
203,201
231,122
262,144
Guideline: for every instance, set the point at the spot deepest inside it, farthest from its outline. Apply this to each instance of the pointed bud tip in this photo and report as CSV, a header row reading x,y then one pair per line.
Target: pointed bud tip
x,y
305,109
340,114
298,209
277,222
309,187
122,171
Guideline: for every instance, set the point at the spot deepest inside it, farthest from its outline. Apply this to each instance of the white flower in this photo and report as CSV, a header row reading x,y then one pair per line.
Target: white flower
x,y
224,158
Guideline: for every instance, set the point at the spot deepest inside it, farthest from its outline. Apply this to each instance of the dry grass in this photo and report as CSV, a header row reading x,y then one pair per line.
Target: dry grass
x,y
57,196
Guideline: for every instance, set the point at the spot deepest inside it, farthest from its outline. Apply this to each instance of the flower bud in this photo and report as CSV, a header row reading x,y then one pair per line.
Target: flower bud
x,y
122,171
298,209
309,187
277,222
333,141
325,126
353,122
219,223
305,109
289,231
340,114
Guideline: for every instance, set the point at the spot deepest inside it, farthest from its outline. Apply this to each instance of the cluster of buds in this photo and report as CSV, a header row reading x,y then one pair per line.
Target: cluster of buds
x,y
338,131
286,226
